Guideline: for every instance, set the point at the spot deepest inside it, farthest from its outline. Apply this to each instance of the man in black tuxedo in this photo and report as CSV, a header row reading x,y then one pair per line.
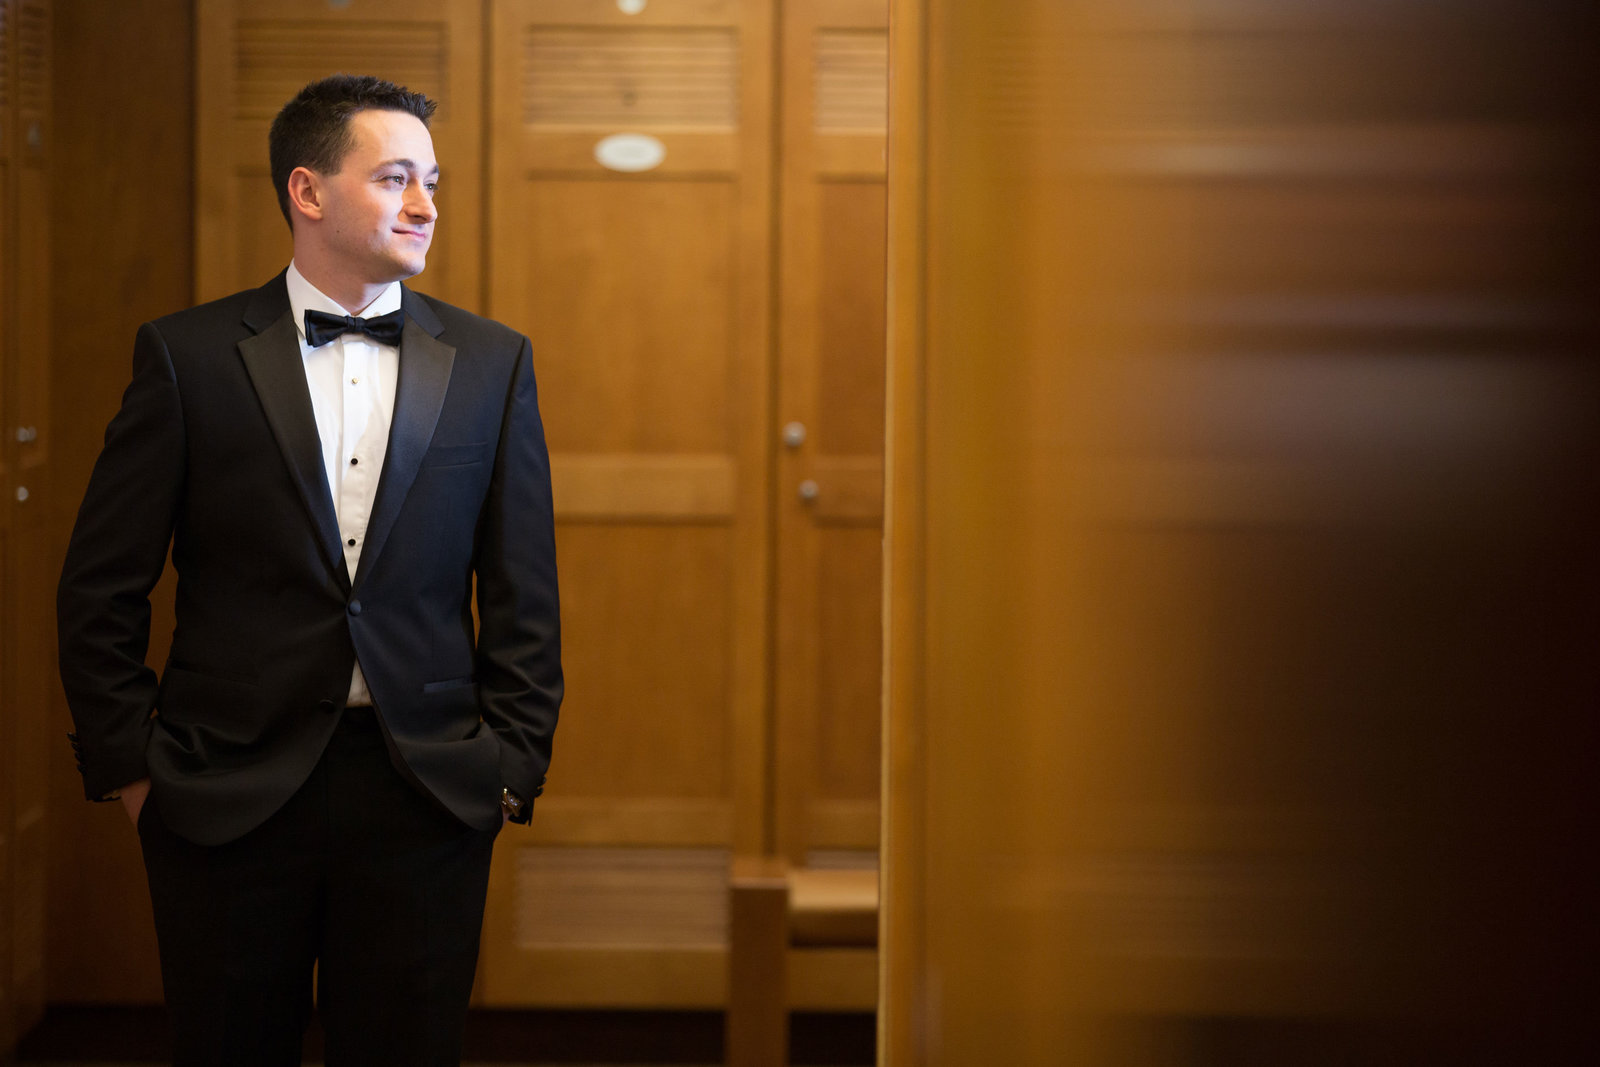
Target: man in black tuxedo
x,y
339,465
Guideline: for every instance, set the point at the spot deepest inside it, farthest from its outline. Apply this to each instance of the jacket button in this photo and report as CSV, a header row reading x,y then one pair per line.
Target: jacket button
x,y
325,705
355,607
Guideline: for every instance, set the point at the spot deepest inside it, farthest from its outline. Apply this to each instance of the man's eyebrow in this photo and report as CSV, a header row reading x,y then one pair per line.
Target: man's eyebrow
x,y
408,164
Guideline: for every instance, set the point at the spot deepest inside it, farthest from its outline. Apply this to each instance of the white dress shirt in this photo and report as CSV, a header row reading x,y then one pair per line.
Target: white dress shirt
x,y
352,382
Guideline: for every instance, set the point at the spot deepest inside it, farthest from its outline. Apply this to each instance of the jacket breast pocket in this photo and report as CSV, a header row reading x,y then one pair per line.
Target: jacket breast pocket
x,y
454,455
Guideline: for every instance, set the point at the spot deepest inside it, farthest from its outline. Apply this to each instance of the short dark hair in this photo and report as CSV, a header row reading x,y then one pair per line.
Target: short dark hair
x,y
313,129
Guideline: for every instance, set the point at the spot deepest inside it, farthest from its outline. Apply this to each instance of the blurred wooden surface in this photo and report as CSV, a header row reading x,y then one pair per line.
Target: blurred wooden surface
x,y
1241,485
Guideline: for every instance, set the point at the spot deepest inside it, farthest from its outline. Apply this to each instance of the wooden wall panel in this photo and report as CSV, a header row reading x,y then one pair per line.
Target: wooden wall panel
x,y
1241,480
121,253
9,1001
586,268
29,683
830,405
646,295
26,649
656,692
249,64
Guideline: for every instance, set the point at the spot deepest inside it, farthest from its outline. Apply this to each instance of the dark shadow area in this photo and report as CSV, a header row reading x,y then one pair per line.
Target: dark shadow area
x,y
139,1035
1344,1042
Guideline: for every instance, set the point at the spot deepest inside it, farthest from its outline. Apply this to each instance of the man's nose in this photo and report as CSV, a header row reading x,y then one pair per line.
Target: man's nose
x,y
419,205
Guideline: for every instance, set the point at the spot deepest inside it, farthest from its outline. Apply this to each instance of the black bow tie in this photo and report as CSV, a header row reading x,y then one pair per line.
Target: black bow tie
x,y
322,327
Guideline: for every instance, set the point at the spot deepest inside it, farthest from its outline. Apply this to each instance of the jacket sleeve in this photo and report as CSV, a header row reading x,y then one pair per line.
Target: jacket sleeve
x,y
117,552
519,627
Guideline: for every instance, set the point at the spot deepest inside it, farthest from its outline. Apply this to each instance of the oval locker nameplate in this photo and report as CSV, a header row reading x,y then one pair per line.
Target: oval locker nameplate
x,y
630,152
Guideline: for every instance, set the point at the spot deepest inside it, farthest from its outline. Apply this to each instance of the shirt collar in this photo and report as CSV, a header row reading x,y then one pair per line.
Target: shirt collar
x,y
303,297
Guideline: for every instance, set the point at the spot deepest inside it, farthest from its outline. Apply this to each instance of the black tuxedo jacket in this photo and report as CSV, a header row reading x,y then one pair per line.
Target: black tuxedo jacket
x,y
215,452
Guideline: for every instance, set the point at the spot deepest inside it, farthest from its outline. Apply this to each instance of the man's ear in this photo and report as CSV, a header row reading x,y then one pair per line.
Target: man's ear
x,y
305,192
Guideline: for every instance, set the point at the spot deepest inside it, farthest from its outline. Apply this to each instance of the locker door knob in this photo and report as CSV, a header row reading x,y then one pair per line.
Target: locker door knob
x,y
27,434
808,490
22,493
794,434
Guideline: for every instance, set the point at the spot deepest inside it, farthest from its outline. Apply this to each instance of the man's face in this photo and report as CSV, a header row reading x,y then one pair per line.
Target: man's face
x,y
378,209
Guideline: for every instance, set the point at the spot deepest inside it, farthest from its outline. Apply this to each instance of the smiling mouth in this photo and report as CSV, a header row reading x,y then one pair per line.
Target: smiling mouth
x,y
412,233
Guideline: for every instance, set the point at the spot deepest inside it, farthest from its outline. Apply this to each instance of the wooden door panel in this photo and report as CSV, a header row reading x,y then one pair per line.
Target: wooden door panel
x,y
263,246
637,292
30,657
27,125
249,67
843,789
647,661
8,762
29,414
27,648
850,626
830,399
625,289
850,286
645,293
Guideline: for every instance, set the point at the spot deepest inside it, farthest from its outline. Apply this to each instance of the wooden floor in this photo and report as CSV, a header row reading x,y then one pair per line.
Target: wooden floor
x,y
137,1037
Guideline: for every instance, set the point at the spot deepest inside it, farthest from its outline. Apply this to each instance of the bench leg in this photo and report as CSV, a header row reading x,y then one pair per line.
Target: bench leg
x,y
758,941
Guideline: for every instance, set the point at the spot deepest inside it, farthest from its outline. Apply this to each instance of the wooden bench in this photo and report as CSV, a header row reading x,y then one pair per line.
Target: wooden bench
x,y
798,938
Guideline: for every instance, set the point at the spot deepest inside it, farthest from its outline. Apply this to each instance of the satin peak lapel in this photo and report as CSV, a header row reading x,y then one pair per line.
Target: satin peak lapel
x,y
425,364
273,359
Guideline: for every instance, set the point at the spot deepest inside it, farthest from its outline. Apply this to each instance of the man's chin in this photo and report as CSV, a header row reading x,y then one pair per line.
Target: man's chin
x,y
409,268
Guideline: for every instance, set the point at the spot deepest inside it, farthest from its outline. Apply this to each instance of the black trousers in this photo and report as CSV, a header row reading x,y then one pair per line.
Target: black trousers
x,y
358,874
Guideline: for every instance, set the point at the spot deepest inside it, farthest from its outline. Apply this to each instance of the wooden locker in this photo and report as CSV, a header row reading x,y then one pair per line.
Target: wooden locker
x,y
829,488
646,291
